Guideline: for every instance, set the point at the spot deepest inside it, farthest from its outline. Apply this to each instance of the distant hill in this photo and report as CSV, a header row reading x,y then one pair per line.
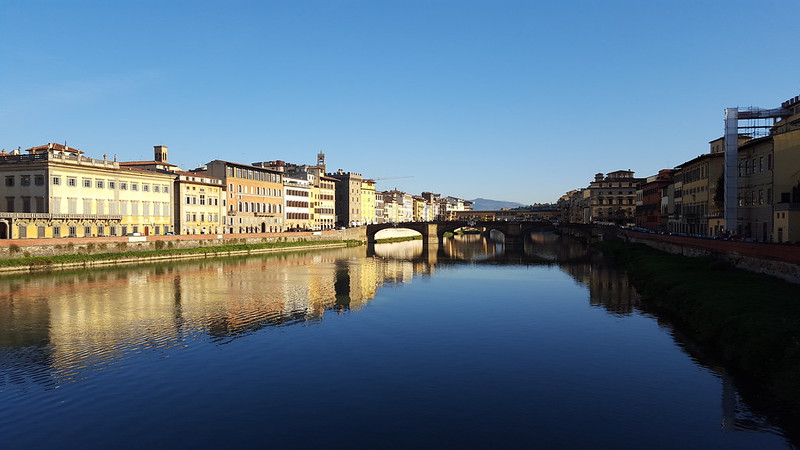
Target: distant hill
x,y
484,204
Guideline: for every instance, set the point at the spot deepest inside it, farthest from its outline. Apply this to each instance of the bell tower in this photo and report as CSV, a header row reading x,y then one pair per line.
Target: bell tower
x,y
160,153
321,161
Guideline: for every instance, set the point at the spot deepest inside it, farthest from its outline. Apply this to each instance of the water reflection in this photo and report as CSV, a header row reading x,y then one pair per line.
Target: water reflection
x,y
62,327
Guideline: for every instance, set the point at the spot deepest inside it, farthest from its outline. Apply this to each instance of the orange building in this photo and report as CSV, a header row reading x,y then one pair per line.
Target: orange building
x,y
254,202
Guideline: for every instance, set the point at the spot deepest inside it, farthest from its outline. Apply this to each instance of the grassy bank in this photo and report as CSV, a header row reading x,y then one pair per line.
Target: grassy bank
x,y
752,321
45,262
417,237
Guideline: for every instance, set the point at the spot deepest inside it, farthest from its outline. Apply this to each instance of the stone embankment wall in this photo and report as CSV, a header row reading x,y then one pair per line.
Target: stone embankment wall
x,y
778,260
19,248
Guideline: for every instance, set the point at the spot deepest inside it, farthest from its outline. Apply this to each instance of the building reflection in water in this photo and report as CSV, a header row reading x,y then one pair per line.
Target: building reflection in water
x,y
58,327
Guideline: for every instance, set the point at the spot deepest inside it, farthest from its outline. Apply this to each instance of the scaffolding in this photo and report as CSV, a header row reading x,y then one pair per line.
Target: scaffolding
x,y
757,123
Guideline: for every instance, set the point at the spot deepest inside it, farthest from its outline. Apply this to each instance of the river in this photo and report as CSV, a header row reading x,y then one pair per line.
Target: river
x,y
470,345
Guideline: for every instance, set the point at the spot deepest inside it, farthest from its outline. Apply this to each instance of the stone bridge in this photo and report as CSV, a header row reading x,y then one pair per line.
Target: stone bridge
x,y
433,232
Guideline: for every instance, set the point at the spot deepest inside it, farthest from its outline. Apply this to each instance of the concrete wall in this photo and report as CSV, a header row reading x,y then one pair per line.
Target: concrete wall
x,y
19,248
782,261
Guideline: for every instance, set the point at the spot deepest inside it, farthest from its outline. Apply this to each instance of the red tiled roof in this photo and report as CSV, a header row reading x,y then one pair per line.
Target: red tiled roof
x,y
54,146
146,163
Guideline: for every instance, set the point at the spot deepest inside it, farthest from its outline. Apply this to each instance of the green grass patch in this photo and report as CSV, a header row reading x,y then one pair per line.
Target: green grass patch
x,y
417,237
751,320
46,261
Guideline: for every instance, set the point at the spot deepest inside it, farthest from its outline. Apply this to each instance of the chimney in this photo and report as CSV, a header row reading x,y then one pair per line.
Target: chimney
x,y
160,153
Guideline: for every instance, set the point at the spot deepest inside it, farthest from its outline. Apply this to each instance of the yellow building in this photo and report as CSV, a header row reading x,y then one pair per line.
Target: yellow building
x,y
56,191
419,209
786,169
368,214
324,204
199,203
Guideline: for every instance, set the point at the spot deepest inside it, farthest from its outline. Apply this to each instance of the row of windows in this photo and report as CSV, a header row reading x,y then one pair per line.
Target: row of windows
x,y
254,190
192,217
26,204
254,207
610,201
212,201
296,193
251,174
752,198
296,216
296,204
110,184
755,165
25,180
88,230
695,174
612,193
695,190
112,207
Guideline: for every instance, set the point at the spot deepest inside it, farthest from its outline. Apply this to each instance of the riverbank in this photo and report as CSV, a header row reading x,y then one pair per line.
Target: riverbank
x,y
417,237
751,321
79,260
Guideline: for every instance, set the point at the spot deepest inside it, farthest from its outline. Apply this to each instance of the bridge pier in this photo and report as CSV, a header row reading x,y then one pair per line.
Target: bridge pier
x,y
513,238
430,237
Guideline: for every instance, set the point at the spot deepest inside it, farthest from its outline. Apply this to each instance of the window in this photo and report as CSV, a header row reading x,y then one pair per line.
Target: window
x,y
56,231
761,164
73,231
10,204
123,186
26,204
25,180
134,186
112,184
23,231
156,188
72,181
40,204
87,182
145,188
165,188
38,180
87,231
10,181
100,184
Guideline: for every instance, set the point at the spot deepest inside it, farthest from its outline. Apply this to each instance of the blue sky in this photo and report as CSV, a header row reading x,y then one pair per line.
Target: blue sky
x,y
509,100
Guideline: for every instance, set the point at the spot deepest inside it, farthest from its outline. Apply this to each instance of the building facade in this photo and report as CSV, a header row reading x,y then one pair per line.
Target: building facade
x,y
348,198
612,198
254,202
199,203
56,191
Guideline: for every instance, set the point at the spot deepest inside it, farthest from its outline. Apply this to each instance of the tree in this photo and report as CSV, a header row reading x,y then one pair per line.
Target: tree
x,y
719,193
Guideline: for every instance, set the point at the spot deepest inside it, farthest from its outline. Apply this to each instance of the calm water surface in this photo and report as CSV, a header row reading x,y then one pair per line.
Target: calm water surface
x,y
470,346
